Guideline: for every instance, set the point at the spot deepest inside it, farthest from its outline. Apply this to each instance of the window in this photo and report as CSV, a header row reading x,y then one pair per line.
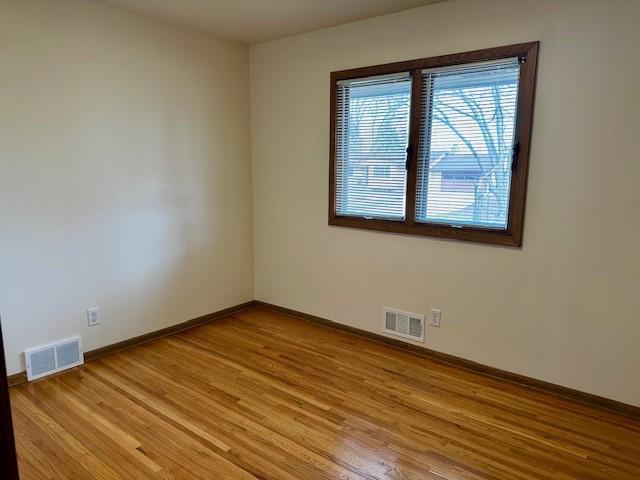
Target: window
x,y
373,121
435,147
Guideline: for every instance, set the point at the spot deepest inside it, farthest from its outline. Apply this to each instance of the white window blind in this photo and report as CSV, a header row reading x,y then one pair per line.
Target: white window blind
x,y
466,144
372,132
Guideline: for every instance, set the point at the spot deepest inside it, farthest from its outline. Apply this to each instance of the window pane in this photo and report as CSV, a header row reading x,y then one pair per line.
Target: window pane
x,y
372,131
466,145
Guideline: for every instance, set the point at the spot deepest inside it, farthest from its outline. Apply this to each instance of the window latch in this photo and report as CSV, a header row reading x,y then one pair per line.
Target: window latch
x,y
406,163
514,156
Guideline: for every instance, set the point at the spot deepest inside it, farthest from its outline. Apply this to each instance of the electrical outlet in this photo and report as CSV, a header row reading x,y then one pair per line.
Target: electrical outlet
x,y
93,316
435,318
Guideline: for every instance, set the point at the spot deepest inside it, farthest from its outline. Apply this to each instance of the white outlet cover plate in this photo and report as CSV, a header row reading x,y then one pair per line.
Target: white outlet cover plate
x,y
93,316
435,317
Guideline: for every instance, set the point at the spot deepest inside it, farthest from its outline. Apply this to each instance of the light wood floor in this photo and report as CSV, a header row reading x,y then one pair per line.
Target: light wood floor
x,y
264,396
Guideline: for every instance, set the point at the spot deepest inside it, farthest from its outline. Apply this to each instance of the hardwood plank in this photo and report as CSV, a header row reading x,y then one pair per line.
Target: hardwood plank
x,y
573,395
21,377
262,395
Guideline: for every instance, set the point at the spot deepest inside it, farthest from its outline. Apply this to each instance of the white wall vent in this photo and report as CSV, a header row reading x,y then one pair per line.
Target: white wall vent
x,y
42,361
404,324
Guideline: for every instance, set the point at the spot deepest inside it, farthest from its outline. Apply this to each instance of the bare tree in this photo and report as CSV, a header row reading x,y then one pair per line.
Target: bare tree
x,y
493,182
377,140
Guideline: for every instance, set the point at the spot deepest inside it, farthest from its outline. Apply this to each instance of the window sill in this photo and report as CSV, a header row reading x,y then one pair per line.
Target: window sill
x,y
468,234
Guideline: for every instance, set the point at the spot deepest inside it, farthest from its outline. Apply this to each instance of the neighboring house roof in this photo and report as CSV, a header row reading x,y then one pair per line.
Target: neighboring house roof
x,y
458,162
440,162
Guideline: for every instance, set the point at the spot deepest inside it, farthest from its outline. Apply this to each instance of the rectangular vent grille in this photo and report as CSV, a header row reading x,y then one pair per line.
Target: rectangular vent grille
x,y
53,358
404,324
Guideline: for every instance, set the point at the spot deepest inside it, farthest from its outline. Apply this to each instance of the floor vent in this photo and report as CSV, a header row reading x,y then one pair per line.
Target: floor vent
x,y
53,358
404,324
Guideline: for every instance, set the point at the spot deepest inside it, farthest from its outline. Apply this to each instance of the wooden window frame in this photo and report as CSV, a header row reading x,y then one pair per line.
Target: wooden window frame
x,y
512,235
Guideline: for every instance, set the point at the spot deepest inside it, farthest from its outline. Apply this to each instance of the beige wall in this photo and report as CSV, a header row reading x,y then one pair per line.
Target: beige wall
x,y
564,308
124,174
